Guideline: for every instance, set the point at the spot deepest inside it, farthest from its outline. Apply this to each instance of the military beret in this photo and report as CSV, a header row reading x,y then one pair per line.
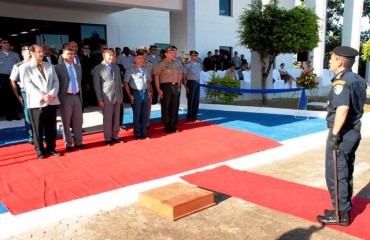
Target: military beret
x,y
139,53
193,52
25,48
170,48
345,51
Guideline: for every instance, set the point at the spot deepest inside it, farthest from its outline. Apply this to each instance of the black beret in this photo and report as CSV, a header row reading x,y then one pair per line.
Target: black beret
x,y
193,52
139,53
209,52
170,48
345,51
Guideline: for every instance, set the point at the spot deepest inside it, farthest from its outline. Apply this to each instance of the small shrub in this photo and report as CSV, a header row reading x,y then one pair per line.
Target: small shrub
x,y
216,96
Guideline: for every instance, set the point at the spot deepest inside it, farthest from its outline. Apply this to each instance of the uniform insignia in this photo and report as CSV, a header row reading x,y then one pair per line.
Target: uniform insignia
x,y
20,63
338,89
339,82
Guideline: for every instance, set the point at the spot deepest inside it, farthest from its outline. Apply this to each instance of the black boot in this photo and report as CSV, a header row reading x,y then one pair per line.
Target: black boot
x,y
330,218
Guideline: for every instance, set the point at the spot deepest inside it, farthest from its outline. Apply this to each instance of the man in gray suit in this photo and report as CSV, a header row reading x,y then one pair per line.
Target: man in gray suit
x,y
109,93
42,85
70,96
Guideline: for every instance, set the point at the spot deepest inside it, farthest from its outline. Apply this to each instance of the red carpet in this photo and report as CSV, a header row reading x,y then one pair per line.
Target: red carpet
x,y
27,183
287,197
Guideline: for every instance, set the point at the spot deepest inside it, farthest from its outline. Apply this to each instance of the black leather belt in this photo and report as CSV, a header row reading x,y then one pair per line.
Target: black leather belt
x,y
142,91
73,94
169,83
356,126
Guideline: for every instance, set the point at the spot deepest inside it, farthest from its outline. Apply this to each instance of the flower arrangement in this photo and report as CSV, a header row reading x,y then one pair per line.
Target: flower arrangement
x,y
307,79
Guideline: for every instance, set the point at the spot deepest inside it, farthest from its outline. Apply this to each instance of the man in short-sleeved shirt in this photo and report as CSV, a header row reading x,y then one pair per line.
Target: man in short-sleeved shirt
x,y
168,77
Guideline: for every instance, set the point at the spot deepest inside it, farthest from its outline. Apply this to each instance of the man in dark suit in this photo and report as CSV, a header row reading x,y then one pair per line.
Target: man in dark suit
x,y
42,85
109,92
70,97
48,57
87,64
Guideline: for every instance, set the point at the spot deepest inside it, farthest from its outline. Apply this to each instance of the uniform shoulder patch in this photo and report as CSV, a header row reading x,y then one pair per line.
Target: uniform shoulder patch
x,y
339,82
20,63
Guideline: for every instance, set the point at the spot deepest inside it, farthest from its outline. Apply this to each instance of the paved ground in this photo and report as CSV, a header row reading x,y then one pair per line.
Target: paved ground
x,y
231,218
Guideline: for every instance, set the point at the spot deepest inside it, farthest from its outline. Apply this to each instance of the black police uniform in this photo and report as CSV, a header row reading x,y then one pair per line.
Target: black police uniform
x,y
348,89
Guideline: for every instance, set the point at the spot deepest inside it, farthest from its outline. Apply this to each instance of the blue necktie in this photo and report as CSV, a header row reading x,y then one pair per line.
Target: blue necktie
x,y
110,69
73,80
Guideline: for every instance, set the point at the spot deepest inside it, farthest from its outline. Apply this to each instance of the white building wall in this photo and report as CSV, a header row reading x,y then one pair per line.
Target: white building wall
x,y
214,30
136,27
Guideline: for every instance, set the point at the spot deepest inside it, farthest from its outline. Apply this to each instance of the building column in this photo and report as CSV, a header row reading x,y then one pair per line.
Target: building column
x,y
317,55
182,35
182,27
351,32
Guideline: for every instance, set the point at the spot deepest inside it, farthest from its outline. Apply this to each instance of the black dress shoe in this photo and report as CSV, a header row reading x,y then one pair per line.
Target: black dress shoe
x,y
330,219
108,143
174,129
69,149
328,212
40,156
137,137
54,153
144,137
117,140
81,146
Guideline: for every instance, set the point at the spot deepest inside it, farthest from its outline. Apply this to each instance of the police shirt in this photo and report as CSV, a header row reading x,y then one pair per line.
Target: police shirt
x,y
138,78
7,61
14,76
348,89
168,72
192,70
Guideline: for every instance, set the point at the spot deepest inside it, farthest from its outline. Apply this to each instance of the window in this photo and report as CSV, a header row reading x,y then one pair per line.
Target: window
x,y
225,7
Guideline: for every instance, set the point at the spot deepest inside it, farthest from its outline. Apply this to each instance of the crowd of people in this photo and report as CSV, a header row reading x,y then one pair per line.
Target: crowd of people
x,y
75,77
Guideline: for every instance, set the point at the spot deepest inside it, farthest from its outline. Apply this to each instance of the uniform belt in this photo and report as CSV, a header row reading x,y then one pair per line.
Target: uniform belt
x,y
356,126
192,80
73,94
142,91
169,83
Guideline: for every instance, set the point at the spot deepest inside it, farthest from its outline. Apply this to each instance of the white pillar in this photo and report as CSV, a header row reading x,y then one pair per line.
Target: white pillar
x,y
317,55
182,27
351,32
182,35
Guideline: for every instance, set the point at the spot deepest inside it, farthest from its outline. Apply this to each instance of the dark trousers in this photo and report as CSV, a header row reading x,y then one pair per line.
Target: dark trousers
x,y
9,104
193,100
44,121
349,141
27,119
154,93
140,112
169,104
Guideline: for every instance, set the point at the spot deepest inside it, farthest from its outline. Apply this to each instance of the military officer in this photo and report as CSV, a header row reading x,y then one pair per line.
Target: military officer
x,y
14,81
191,80
7,99
346,101
168,77
137,84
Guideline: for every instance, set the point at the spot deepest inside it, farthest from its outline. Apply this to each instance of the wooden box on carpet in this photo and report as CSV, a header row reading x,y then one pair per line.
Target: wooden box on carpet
x,y
176,200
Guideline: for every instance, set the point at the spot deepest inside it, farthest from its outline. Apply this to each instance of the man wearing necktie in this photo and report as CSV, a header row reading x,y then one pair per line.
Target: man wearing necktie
x,y
41,84
70,96
73,45
109,93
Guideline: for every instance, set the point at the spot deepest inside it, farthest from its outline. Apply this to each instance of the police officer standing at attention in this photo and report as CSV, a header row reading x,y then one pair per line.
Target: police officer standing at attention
x,y
14,81
7,98
168,77
191,79
137,83
346,101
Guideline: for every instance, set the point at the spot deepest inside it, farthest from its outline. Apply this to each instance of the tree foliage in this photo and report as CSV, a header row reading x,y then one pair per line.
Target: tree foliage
x,y
271,30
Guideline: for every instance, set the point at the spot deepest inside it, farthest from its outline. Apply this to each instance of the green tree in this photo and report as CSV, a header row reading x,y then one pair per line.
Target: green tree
x,y
270,30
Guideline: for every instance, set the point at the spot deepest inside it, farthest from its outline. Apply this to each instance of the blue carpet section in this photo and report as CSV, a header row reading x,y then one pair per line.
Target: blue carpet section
x,y
3,208
10,136
274,126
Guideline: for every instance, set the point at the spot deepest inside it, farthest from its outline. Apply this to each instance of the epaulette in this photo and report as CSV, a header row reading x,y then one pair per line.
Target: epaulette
x,y
161,60
20,63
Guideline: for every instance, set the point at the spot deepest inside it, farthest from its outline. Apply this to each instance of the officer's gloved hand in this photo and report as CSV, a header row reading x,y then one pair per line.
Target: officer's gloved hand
x,y
333,141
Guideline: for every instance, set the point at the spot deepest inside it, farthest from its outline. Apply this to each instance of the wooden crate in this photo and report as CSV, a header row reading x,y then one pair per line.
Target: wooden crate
x,y
176,200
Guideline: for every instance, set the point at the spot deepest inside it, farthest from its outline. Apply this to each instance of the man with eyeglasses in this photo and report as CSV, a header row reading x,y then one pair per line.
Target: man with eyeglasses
x,y
191,80
7,98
